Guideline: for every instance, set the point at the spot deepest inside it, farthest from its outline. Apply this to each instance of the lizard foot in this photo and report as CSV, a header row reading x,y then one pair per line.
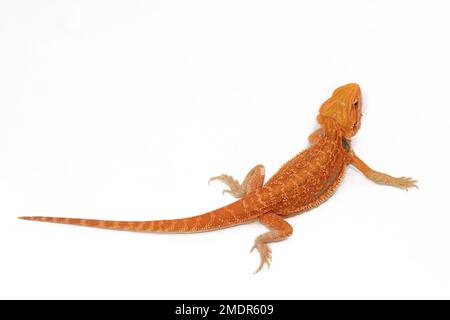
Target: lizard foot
x,y
253,181
403,183
265,254
236,189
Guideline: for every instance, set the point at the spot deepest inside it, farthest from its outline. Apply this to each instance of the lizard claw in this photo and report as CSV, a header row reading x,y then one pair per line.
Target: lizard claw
x,y
265,254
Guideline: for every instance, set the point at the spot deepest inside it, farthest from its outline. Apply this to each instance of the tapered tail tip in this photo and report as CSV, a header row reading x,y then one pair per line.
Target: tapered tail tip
x,y
25,218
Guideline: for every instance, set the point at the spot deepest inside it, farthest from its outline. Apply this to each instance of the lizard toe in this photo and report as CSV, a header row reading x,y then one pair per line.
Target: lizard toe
x,y
265,254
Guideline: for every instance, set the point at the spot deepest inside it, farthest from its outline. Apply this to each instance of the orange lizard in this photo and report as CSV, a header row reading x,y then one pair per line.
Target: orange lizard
x,y
301,184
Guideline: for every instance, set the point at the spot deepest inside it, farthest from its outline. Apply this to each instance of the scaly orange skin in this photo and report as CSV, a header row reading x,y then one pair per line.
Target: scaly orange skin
x,y
302,183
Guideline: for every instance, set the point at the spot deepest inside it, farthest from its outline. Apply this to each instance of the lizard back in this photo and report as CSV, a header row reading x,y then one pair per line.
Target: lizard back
x,y
309,178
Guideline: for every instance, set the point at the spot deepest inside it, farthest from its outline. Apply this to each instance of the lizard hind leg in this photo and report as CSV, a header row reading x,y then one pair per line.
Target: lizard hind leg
x,y
253,181
280,230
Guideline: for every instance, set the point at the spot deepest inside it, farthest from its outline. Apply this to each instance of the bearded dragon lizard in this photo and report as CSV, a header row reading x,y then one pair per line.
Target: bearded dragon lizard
x,y
302,183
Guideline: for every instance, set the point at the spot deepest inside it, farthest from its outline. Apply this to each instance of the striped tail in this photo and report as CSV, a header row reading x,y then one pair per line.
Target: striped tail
x,y
227,216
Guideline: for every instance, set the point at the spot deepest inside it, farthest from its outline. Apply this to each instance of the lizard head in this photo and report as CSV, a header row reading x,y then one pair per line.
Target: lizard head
x,y
342,111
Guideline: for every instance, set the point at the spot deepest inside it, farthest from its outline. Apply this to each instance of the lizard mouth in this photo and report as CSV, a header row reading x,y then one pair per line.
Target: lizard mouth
x,y
356,125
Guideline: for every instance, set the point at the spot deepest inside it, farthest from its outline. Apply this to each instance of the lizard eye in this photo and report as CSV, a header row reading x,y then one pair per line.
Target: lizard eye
x,y
356,103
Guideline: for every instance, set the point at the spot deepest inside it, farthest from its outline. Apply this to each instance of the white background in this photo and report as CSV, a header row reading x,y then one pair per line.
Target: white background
x,y
124,109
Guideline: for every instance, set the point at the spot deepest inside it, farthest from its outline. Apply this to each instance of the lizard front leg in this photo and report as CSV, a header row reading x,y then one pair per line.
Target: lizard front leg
x,y
382,178
315,136
253,181
281,229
